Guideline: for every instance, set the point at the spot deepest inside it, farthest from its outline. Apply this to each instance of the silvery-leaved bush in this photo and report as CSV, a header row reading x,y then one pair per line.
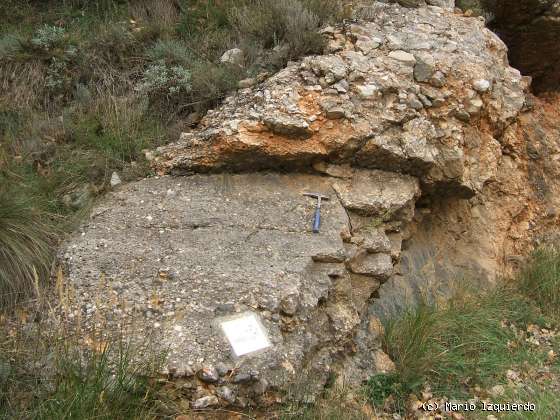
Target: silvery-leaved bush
x,y
162,79
48,36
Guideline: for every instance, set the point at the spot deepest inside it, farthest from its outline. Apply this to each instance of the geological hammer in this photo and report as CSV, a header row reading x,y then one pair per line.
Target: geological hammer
x,y
317,219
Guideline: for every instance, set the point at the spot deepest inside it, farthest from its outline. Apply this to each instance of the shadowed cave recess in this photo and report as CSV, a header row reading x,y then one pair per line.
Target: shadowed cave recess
x,y
531,30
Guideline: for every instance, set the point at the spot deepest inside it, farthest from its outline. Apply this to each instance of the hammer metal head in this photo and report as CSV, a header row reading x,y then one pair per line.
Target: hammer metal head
x,y
318,196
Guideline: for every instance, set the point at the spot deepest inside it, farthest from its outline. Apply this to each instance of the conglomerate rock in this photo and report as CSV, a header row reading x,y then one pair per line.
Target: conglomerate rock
x,y
423,92
166,257
530,29
423,138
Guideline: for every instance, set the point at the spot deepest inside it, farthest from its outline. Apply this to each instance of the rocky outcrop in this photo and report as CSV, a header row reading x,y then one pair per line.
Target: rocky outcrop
x,y
437,164
401,93
166,258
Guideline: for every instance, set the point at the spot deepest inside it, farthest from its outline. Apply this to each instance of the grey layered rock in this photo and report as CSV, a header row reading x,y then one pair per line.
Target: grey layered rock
x,y
220,245
379,194
379,266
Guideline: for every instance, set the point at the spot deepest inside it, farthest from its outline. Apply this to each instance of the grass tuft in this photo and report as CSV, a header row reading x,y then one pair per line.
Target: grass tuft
x,y
472,340
50,377
26,246
540,280
459,345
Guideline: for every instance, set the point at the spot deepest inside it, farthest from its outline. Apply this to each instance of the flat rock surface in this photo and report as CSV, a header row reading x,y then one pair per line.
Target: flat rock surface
x,y
182,248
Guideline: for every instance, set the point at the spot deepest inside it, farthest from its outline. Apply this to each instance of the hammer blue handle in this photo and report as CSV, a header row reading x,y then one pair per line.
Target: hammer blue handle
x,y
317,220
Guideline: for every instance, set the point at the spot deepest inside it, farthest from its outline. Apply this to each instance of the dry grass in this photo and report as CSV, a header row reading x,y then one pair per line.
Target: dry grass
x,y
27,240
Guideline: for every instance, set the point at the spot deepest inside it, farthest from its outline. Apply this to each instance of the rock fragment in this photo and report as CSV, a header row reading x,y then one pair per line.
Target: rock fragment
x,y
379,266
481,85
403,57
234,56
205,402
209,375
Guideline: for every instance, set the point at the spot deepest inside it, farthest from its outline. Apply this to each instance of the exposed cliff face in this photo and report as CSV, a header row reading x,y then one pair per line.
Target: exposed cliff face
x,y
437,162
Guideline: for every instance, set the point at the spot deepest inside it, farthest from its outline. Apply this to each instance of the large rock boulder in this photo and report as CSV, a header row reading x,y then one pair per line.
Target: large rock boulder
x,y
166,259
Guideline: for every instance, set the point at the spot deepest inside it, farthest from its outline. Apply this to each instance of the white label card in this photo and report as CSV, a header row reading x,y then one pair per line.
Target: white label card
x,y
245,334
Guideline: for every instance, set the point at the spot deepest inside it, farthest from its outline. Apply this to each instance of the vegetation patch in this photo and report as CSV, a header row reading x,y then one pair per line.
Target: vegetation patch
x,y
87,86
487,344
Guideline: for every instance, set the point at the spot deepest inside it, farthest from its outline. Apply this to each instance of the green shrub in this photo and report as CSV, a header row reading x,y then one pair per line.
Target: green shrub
x,y
381,386
165,83
10,46
114,44
211,82
291,25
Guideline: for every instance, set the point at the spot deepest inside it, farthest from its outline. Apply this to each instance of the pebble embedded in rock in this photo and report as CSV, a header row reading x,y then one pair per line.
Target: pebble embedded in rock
x,y
414,102
227,393
241,378
438,79
289,304
367,91
474,106
462,115
260,387
208,374
423,70
481,85
205,402
403,57
335,113
222,369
